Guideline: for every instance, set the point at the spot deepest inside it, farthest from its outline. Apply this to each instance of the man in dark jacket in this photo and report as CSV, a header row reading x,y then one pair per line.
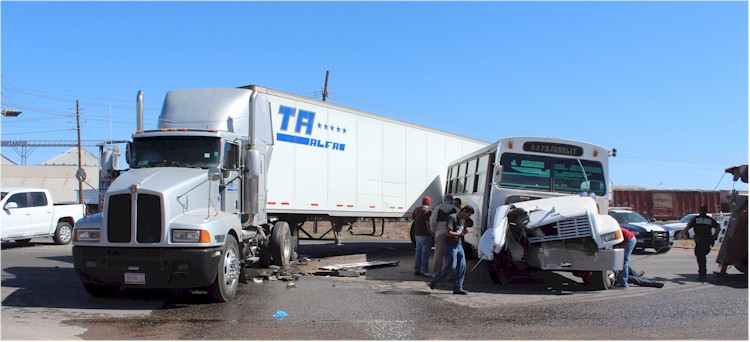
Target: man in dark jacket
x,y
704,238
423,237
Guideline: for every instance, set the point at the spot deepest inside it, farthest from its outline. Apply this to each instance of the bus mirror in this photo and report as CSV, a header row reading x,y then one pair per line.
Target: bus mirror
x,y
498,170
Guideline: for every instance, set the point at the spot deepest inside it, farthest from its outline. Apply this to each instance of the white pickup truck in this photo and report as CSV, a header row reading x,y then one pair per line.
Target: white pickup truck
x,y
29,213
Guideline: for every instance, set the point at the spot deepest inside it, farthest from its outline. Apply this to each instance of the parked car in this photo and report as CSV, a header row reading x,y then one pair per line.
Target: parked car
x,y
722,218
647,234
29,213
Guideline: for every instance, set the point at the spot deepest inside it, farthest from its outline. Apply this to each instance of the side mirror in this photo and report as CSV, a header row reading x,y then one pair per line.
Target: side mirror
x,y
652,220
214,174
11,205
497,172
81,175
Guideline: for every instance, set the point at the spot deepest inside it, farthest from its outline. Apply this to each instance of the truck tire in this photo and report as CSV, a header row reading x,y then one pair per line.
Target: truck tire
x,y
63,233
227,280
280,246
100,291
600,280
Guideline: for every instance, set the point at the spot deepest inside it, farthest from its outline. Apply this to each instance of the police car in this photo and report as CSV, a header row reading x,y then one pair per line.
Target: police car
x,y
647,234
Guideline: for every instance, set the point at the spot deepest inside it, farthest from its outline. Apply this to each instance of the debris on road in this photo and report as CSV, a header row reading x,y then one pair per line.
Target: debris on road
x,y
359,265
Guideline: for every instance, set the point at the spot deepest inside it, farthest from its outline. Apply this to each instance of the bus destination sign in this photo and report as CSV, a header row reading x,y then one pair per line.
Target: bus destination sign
x,y
553,148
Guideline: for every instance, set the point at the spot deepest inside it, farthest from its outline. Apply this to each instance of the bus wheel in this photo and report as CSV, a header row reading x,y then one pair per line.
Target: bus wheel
x,y
600,280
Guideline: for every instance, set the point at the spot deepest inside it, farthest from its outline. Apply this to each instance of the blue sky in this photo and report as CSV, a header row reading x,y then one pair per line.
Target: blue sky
x,y
666,83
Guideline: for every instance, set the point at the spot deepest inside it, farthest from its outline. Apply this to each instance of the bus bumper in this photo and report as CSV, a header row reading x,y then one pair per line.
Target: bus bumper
x,y
558,259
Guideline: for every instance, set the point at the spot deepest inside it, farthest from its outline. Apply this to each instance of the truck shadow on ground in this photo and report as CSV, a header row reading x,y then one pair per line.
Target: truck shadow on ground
x,y
15,244
33,288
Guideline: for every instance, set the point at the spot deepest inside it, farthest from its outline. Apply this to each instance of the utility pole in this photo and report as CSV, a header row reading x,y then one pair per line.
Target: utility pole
x,y
80,159
325,88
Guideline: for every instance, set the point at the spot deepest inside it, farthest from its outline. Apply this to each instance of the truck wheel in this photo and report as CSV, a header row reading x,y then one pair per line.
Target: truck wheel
x,y
63,233
600,280
227,280
100,291
281,244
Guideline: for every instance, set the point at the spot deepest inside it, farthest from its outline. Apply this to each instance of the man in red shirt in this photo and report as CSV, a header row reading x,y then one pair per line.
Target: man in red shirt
x,y
628,243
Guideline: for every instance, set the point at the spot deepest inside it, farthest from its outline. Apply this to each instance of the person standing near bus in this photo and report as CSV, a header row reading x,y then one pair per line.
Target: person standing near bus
x,y
438,224
628,244
423,237
704,239
454,251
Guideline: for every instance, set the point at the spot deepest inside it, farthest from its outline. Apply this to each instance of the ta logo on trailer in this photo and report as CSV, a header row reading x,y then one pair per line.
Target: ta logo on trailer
x,y
302,122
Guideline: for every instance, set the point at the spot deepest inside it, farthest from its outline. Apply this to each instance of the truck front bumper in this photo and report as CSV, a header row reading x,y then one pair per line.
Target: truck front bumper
x,y
147,267
558,259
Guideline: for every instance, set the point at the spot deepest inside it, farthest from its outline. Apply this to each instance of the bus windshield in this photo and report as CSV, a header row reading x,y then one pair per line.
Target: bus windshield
x,y
548,173
196,152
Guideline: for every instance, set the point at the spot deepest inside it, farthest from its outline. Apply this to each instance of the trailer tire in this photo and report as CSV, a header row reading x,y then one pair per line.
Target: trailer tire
x,y
63,233
227,279
280,246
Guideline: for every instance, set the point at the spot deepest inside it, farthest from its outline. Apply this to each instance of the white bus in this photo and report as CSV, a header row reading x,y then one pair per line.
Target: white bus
x,y
513,171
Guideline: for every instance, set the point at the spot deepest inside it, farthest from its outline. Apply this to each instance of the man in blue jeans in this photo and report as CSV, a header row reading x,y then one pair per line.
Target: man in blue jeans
x,y
423,237
628,243
454,251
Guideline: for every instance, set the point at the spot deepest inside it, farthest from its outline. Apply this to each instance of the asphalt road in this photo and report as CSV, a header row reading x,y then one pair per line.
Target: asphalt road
x,y
43,300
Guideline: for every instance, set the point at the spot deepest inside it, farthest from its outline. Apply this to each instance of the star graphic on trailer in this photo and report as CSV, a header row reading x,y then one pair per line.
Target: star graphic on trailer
x,y
326,126
320,125
338,129
344,130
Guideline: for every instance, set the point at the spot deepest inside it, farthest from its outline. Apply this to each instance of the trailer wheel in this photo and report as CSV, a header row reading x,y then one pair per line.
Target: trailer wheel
x,y
100,291
227,280
600,280
281,244
63,233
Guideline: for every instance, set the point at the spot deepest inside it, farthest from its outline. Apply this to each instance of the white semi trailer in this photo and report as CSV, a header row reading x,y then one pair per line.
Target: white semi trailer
x,y
203,198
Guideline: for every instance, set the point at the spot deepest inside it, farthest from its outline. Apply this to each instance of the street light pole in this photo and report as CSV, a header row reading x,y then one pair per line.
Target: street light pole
x,y
80,159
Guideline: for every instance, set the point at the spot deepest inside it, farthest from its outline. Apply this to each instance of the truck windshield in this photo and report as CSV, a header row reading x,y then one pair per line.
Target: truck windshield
x,y
628,217
552,174
197,152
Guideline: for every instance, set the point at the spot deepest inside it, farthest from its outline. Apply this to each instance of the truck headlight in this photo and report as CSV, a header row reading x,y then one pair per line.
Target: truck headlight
x,y
190,235
87,235
610,237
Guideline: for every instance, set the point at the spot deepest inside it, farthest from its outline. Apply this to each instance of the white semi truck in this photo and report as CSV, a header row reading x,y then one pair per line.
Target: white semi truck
x,y
203,198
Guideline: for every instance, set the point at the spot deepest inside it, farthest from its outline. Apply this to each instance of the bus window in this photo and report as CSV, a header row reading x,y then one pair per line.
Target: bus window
x,y
471,172
525,171
568,176
481,177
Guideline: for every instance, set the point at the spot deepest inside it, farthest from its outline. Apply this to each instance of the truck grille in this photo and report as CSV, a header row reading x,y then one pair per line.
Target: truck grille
x,y
572,228
148,225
